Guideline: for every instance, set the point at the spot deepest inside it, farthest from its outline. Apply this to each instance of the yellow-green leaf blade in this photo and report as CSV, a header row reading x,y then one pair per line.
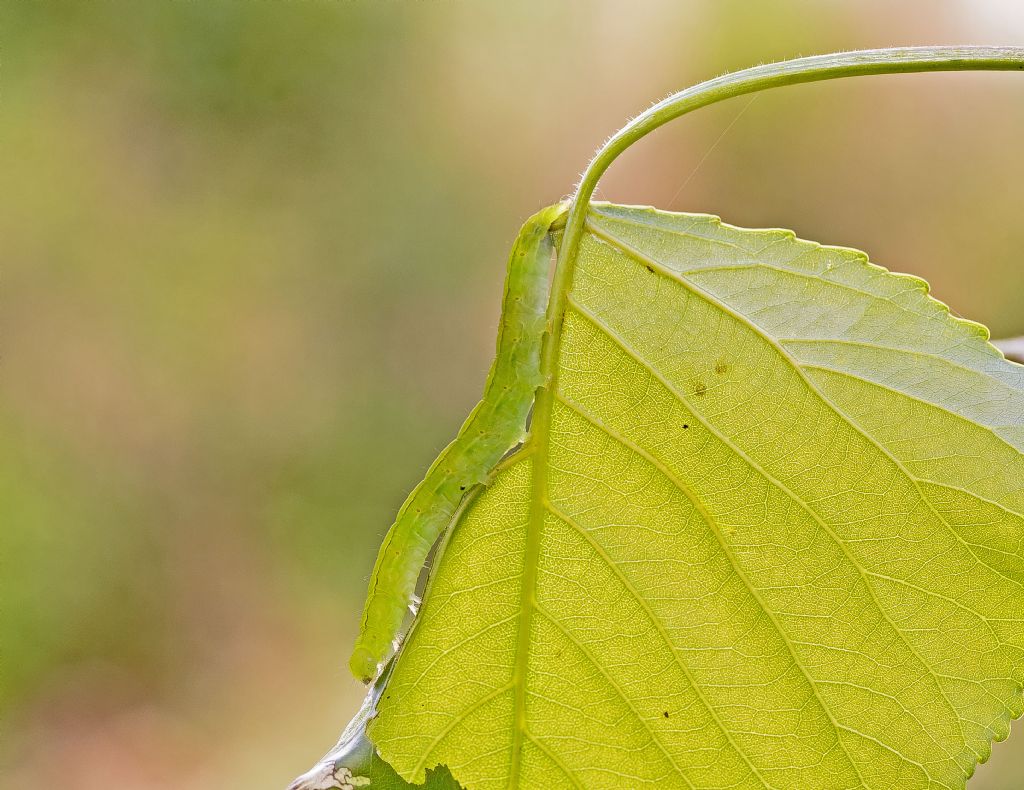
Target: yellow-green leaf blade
x,y
779,537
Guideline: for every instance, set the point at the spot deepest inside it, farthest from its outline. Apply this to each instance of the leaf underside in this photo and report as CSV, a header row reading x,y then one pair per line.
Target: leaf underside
x,y
777,537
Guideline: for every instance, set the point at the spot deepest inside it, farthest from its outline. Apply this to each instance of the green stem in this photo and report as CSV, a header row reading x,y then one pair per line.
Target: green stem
x,y
759,78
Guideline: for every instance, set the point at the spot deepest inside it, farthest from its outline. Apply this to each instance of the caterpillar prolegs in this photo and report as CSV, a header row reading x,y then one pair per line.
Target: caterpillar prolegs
x,y
496,425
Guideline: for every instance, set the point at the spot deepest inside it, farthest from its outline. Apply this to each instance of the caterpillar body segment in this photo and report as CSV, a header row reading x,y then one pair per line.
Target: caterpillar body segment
x,y
495,426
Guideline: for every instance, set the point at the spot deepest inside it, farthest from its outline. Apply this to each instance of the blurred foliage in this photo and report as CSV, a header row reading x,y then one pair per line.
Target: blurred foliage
x,y
252,259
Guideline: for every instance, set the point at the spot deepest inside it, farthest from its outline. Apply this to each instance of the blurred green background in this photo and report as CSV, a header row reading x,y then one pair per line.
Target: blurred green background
x,y
252,257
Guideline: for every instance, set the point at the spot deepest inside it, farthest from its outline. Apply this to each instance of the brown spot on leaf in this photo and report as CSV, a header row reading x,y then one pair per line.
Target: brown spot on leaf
x,y
721,368
701,389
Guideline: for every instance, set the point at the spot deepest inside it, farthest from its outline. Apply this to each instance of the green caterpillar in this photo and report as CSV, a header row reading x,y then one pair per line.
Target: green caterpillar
x,y
495,426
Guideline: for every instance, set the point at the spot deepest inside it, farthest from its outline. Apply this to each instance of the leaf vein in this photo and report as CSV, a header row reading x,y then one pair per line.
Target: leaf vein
x,y
615,337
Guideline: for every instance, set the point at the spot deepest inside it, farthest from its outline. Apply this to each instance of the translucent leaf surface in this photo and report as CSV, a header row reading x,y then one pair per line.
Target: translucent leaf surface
x,y
769,536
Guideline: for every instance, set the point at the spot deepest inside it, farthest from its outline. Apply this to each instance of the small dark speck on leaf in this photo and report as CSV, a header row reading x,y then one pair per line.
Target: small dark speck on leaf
x,y
462,488
665,714
686,425
649,268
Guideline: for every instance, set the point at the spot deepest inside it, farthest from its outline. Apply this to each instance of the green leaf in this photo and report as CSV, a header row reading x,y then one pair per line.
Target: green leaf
x,y
766,531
